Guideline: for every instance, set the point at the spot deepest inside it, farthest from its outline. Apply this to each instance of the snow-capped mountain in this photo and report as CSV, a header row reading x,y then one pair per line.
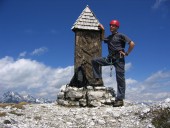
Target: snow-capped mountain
x,y
29,98
14,97
11,97
42,100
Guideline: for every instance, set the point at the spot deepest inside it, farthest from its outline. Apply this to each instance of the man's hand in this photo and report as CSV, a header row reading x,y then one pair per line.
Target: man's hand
x,y
123,54
131,46
101,27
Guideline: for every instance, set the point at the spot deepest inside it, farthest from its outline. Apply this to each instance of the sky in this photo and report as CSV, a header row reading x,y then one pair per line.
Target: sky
x,y
37,45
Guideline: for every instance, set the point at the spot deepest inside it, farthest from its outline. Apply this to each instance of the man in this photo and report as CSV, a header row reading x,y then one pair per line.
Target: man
x,y
116,47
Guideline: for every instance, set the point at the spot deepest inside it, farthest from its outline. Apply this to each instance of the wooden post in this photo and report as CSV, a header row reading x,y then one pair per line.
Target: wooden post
x,y
87,41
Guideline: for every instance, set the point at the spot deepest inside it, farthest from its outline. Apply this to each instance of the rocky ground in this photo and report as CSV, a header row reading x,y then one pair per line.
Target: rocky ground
x,y
55,116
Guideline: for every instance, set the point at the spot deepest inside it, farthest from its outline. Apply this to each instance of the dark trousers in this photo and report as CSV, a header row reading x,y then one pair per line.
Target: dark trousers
x,y
119,65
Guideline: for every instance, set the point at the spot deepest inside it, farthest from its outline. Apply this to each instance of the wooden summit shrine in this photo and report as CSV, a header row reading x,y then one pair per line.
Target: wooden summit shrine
x,y
87,41
87,46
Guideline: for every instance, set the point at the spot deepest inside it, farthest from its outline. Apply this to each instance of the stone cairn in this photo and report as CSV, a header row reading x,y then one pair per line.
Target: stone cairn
x,y
87,46
85,97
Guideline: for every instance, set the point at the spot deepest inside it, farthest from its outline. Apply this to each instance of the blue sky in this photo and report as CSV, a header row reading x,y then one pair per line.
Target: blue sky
x,y
37,44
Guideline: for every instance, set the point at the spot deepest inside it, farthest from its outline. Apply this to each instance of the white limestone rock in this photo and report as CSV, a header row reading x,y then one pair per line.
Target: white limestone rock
x,y
53,115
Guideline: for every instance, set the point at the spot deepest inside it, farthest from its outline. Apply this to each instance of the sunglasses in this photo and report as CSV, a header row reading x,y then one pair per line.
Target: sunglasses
x,y
113,25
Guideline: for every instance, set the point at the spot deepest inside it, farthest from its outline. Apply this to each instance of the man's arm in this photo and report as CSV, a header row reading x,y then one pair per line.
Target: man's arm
x,y
103,31
131,46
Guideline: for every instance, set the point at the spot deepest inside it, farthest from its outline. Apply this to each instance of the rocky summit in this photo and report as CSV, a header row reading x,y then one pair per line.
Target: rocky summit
x,y
52,115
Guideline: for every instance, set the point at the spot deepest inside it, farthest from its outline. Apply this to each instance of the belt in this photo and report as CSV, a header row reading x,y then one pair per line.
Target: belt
x,y
116,55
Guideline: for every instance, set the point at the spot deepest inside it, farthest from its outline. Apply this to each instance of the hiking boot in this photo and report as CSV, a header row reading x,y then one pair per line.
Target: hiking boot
x,y
118,103
97,82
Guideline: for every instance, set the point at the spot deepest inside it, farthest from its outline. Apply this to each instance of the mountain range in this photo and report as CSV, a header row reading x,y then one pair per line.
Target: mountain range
x,y
14,97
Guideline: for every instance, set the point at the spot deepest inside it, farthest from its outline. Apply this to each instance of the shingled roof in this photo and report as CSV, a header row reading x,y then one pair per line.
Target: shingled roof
x,y
87,20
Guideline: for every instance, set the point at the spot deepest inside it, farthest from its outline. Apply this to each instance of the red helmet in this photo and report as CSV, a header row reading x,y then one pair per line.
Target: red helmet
x,y
115,22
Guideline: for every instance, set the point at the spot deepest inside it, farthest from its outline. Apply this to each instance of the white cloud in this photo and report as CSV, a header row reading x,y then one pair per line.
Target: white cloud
x,y
35,52
32,75
155,87
158,3
109,77
28,75
161,4
37,79
158,76
39,51
23,54
131,81
128,66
